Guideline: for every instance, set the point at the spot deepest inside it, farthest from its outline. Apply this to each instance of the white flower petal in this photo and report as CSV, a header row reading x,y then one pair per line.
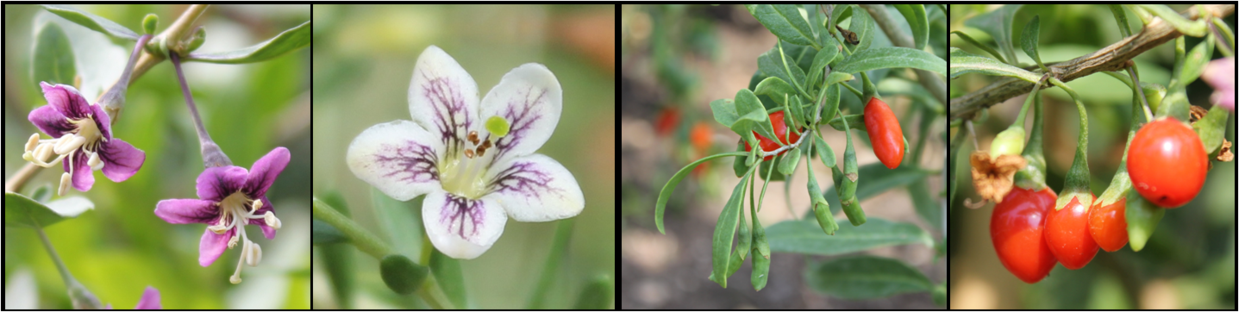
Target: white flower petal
x,y
462,228
535,188
443,98
399,158
530,98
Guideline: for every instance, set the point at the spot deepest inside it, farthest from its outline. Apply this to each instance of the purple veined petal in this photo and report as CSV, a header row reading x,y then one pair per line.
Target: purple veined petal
x,y
120,160
184,211
150,300
462,228
264,172
267,231
530,98
83,177
443,98
213,245
66,100
399,158
216,183
535,188
1220,74
102,120
50,121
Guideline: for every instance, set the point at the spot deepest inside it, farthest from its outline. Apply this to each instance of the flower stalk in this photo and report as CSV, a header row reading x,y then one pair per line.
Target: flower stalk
x,y
212,156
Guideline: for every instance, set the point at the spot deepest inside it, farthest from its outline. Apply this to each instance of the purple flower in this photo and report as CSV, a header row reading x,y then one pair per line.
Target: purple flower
x,y
82,140
1220,74
149,301
474,160
229,198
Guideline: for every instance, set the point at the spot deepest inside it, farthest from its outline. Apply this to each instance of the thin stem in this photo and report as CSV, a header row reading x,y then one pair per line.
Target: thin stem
x,y
1135,78
426,292
174,32
360,237
19,179
784,147
51,252
212,156
562,231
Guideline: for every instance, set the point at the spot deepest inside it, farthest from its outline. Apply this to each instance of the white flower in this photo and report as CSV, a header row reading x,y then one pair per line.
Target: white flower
x,y
473,179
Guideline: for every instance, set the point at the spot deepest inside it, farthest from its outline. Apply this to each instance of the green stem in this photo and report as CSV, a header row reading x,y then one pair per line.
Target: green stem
x,y
857,92
562,231
51,252
78,294
1077,180
364,240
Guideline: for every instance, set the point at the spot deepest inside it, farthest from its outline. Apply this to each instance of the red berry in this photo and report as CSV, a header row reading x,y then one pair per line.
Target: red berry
x,y
1066,232
1167,163
667,120
780,130
1017,229
701,136
1108,224
884,133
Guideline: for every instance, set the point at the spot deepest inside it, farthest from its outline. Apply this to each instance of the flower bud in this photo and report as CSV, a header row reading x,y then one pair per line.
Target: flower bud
x,y
149,23
196,40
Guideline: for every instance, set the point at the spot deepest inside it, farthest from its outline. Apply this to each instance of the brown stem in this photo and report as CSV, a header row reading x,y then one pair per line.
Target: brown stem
x,y
15,183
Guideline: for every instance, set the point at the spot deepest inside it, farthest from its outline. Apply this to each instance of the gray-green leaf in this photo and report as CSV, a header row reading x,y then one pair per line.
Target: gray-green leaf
x,y
725,232
891,57
323,233
998,24
21,211
53,57
865,277
917,21
785,21
598,294
401,274
94,22
450,278
806,237
964,62
775,88
289,40
1028,41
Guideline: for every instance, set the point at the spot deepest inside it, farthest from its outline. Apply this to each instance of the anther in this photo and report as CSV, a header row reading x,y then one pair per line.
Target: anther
x,y
271,220
232,242
42,152
69,143
95,163
254,255
468,153
257,205
235,279
33,142
65,179
220,229
473,137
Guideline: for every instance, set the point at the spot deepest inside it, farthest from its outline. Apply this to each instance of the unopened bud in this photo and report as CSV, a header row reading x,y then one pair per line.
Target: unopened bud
x,y
149,23
196,40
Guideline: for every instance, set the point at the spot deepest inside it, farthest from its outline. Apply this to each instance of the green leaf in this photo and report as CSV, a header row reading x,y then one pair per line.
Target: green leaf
x,y
831,107
998,24
401,275
1120,17
837,77
323,233
598,294
878,179
761,268
865,29
823,57
289,40
964,62
53,57
21,211
775,88
1183,25
1212,128
724,112
42,194
338,258
784,21
840,13
940,294
974,42
806,237
1028,41
891,57
917,21
753,117
789,162
865,277
450,278
403,227
94,22
824,151
665,194
725,231
772,63
1195,61
926,206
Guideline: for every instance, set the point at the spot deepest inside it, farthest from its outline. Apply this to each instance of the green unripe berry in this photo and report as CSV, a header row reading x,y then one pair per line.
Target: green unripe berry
x,y
1008,142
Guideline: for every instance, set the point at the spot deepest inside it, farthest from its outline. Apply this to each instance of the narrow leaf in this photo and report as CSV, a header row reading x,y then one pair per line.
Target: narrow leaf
x,y
823,57
94,22
978,44
917,21
866,277
598,294
1028,41
806,237
323,233
998,24
964,62
289,40
1142,218
450,278
725,231
53,57
790,161
1183,25
785,21
403,227
775,88
665,194
337,259
891,57
772,64
1212,128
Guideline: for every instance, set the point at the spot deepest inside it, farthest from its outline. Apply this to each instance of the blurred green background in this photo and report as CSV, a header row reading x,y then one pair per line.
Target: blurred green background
x,y
121,247
363,62
1188,263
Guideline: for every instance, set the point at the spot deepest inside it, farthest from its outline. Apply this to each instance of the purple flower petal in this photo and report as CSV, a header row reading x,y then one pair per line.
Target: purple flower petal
x,y
66,100
399,158
102,121
1220,74
120,160
183,211
212,246
216,183
443,98
462,228
535,188
50,121
530,98
150,300
267,231
83,177
264,172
